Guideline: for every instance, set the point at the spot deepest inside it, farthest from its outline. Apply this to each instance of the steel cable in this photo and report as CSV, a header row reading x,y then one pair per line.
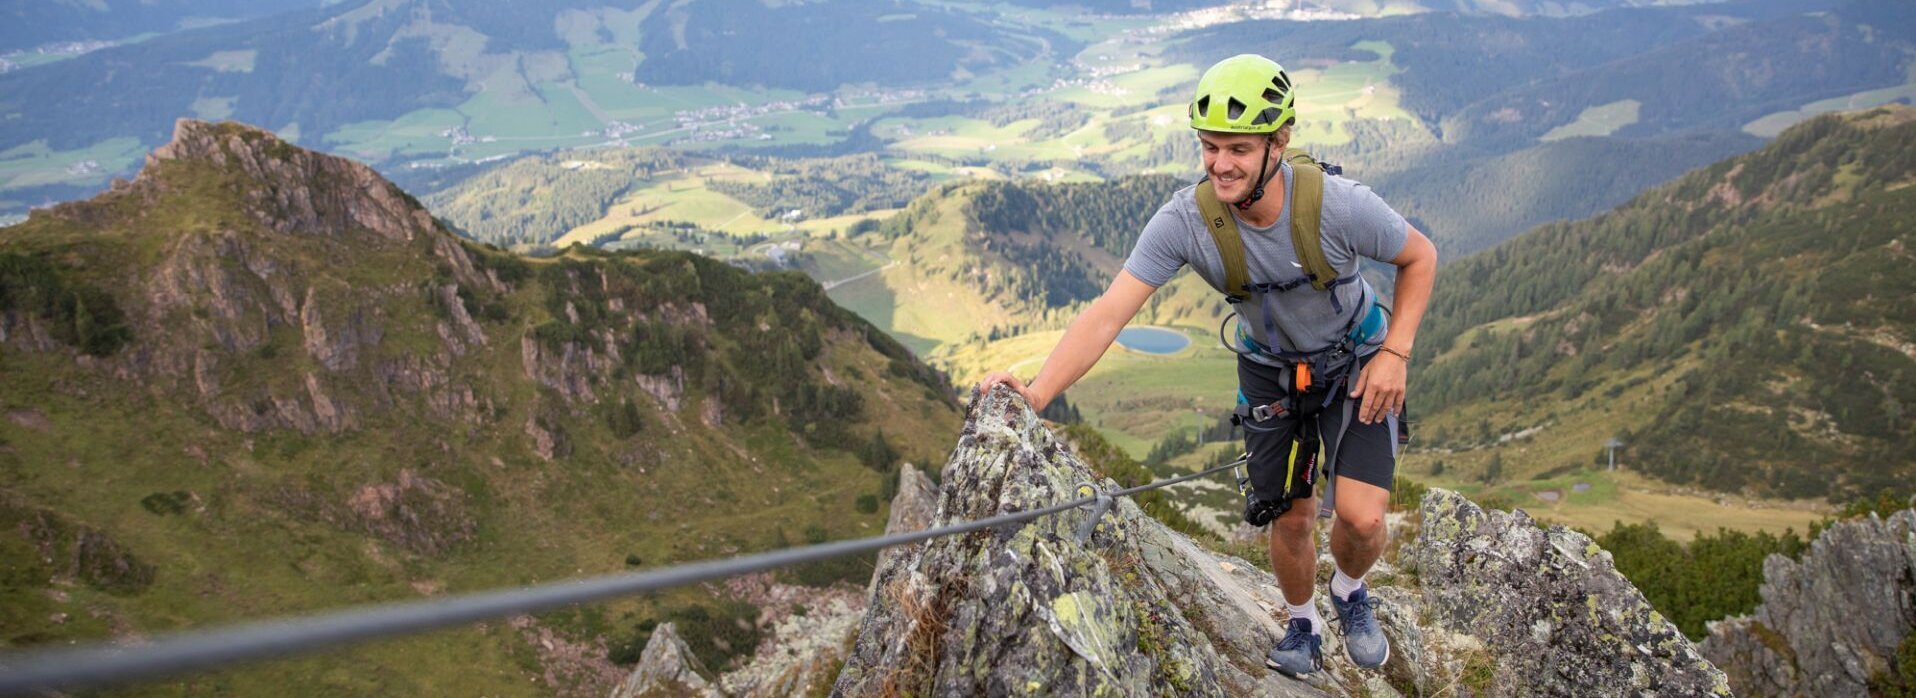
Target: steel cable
x,y
23,673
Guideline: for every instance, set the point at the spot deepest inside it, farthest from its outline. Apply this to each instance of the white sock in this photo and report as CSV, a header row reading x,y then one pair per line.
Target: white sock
x,y
1308,611
1342,585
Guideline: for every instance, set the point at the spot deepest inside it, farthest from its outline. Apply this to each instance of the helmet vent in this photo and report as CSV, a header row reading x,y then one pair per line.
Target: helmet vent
x,y
1273,96
1269,115
1204,106
1236,109
1282,82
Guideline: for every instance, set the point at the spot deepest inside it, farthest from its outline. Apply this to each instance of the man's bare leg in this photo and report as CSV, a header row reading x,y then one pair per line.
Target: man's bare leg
x,y
1293,547
1357,539
1358,535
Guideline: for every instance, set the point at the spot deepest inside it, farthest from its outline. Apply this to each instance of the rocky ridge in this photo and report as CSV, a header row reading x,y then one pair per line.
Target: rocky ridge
x,y
1830,624
258,379
1141,610
1550,606
1480,603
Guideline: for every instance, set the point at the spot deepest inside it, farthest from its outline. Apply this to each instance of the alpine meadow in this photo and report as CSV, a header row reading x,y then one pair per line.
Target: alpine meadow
x,y
627,323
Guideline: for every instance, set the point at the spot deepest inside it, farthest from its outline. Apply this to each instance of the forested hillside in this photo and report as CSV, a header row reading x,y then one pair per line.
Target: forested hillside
x,y
1720,80
1449,62
1765,294
139,89
29,24
535,200
1470,204
259,381
825,187
744,42
1060,244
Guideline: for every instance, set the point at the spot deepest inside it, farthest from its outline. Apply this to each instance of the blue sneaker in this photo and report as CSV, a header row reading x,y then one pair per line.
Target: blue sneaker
x,y
1364,641
1300,652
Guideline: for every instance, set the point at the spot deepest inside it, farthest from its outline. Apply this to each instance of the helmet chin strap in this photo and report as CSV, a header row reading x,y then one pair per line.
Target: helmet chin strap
x,y
1264,175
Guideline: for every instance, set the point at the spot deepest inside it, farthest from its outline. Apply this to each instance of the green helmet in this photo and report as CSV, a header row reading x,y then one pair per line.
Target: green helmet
x,y
1245,93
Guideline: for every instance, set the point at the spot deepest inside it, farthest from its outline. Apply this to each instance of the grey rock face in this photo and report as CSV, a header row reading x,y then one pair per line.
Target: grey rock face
x,y
1551,607
1028,610
286,201
667,667
1140,610
912,509
1829,622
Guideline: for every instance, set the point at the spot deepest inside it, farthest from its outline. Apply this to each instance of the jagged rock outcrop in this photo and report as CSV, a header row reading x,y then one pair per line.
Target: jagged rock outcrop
x,y
803,647
72,552
269,279
1496,605
1830,622
912,509
1551,606
1023,610
667,669
286,197
805,630
417,513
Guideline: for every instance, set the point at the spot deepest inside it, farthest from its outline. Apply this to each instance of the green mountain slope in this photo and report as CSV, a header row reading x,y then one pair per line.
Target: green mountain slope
x,y
1468,204
1746,327
258,380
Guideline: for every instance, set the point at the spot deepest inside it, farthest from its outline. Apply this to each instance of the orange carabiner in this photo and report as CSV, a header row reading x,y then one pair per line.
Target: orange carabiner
x,y
1303,376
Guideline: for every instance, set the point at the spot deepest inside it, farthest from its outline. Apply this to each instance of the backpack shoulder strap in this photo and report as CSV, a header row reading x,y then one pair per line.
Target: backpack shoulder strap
x,y
1230,245
1307,205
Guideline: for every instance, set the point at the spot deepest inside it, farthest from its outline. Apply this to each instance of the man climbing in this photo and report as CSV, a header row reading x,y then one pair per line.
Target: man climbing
x,y
1319,361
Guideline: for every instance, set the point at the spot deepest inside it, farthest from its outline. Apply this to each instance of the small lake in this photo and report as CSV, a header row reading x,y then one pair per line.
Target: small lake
x,y
1153,340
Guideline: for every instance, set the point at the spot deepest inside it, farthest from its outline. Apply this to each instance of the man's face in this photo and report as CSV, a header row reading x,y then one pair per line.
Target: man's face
x,y
1232,160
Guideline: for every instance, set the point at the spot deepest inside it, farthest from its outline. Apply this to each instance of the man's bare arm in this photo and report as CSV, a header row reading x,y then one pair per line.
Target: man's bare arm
x,y
1383,380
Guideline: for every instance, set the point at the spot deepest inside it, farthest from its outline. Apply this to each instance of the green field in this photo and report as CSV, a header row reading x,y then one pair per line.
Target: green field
x,y
1329,97
1771,125
1130,89
228,61
679,198
1600,120
34,164
413,134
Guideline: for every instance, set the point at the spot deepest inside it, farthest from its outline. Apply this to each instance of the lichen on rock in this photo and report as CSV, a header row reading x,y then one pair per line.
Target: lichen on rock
x,y
1027,609
667,668
1830,622
1550,605
1504,607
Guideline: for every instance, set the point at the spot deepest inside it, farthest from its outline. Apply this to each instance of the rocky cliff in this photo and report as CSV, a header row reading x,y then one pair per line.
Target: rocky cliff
x,y
1480,603
1837,622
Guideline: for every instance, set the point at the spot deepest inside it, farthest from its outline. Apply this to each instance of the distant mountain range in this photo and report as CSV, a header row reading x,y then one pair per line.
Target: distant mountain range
x,y
1540,119
325,68
1520,113
26,25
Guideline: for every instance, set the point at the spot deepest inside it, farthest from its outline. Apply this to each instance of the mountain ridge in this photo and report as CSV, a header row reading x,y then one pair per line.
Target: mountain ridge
x,y
258,380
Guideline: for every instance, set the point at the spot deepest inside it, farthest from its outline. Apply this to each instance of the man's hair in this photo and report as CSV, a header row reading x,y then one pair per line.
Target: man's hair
x,y
1282,136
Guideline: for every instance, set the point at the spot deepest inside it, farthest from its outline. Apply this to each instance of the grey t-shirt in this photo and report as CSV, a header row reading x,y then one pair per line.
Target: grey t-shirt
x,y
1354,223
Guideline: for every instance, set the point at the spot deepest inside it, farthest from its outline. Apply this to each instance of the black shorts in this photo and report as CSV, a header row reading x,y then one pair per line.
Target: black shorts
x,y
1368,452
